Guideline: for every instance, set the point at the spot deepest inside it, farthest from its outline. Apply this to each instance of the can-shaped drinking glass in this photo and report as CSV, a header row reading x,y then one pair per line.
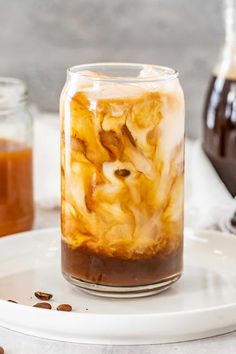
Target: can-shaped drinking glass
x,y
122,174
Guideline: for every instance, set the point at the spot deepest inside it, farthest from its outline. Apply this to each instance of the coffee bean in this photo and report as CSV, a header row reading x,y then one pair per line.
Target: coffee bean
x,y
122,173
43,305
1,350
64,307
43,296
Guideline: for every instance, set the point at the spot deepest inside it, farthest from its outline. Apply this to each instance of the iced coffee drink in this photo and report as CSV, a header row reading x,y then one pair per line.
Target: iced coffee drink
x,y
122,150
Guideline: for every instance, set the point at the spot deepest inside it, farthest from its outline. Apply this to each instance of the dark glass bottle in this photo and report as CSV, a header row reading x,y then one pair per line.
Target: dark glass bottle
x,y
219,136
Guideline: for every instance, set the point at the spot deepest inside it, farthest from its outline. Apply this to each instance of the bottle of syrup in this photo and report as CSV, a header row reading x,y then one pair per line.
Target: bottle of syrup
x,y
219,136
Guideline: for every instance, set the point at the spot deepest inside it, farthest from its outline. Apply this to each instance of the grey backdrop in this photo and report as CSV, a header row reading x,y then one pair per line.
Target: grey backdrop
x,y
40,38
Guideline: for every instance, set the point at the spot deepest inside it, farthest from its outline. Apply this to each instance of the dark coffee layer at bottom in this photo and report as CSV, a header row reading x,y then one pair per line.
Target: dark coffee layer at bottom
x,y
82,264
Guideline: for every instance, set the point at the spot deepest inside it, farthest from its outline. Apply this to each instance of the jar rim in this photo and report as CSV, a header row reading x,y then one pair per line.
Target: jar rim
x,y
153,72
13,91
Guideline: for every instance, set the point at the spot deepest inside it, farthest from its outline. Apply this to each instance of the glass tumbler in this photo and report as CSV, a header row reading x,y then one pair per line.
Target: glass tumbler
x,y
122,172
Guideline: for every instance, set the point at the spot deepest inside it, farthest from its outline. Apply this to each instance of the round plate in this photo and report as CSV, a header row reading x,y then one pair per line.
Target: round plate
x,y
201,304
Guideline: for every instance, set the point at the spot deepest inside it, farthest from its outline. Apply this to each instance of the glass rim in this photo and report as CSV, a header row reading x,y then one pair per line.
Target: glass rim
x,y
163,73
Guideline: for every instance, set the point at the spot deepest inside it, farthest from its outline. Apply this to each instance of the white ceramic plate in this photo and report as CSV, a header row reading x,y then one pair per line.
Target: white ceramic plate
x,y
201,304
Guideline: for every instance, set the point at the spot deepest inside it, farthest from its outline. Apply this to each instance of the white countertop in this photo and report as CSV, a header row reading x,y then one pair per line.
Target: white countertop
x,y
16,343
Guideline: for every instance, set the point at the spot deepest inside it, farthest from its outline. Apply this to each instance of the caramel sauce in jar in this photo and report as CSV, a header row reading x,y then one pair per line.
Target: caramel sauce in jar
x,y
16,187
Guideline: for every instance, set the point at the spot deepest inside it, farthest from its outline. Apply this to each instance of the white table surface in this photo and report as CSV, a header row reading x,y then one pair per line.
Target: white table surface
x,y
16,343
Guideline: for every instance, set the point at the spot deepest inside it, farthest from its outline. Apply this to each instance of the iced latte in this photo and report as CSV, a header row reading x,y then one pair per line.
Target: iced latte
x,y
122,149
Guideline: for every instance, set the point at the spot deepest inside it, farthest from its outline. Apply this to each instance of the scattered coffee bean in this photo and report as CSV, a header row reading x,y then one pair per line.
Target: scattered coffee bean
x,y
43,305
64,307
1,350
14,302
43,296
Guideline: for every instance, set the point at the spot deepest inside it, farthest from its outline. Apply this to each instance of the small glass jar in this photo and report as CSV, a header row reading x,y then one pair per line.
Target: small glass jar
x,y
122,152
219,118
16,188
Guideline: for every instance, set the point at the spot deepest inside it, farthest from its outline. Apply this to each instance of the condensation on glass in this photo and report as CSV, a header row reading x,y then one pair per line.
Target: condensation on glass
x,y
122,151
